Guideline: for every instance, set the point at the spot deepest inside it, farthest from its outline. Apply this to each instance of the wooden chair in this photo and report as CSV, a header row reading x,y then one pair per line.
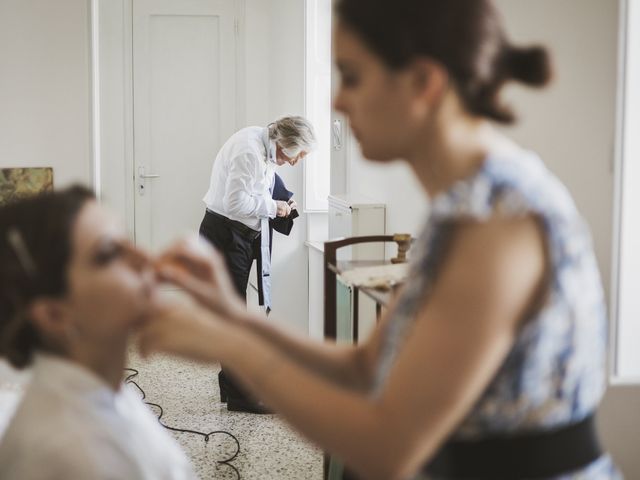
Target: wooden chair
x,y
332,268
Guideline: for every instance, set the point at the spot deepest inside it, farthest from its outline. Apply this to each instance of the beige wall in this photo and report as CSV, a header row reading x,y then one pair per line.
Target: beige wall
x,y
572,123
45,87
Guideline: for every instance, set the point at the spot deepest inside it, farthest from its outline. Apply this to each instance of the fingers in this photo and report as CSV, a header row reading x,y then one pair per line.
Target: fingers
x,y
174,274
168,265
194,255
284,210
206,293
195,266
191,250
136,256
203,292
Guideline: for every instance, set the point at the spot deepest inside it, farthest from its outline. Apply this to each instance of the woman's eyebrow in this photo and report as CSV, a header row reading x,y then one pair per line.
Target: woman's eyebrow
x,y
101,242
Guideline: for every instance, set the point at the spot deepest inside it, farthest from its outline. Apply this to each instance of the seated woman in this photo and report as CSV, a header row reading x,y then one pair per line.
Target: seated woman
x,y
491,362
72,291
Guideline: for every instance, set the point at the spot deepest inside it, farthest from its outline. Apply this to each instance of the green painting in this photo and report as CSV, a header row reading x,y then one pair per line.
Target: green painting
x,y
16,183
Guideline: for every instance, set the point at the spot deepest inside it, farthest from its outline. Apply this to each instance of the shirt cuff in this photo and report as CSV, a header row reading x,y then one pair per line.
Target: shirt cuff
x,y
272,208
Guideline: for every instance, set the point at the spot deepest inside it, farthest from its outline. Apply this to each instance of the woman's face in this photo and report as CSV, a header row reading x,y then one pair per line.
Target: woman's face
x,y
377,101
282,157
110,284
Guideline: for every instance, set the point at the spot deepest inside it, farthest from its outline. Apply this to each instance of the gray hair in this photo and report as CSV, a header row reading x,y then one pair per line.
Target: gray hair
x,y
294,135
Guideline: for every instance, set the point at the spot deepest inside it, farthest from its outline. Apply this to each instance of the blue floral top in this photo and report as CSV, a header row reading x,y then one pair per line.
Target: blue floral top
x,y
554,373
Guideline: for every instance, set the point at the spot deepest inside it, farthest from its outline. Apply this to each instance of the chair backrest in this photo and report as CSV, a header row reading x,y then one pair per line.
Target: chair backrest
x,y
330,270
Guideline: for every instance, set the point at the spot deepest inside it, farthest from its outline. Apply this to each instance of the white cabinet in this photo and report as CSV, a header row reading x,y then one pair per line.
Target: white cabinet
x,y
355,216
316,289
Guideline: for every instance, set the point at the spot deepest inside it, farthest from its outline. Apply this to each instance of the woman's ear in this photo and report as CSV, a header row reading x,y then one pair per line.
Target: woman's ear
x,y
430,83
50,317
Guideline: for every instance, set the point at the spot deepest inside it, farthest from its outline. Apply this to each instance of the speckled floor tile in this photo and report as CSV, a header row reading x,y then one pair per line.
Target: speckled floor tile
x,y
189,395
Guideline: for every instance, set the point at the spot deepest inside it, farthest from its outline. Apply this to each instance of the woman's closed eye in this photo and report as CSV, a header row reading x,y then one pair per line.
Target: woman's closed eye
x,y
349,77
108,252
349,80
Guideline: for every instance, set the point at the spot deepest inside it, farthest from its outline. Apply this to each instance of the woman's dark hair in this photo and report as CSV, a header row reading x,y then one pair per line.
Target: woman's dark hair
x,y
465,36
35,249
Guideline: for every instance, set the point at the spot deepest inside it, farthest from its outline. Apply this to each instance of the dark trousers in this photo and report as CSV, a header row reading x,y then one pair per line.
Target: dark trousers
x,y
240,245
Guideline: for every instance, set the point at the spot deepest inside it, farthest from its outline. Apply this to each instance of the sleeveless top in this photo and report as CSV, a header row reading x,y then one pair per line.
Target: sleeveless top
x,y
554,373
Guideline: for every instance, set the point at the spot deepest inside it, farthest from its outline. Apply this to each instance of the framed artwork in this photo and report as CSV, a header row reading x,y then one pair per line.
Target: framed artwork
x,y
16,183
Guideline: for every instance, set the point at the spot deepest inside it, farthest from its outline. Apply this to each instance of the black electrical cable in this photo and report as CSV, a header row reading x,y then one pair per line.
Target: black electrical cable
x,y
129,381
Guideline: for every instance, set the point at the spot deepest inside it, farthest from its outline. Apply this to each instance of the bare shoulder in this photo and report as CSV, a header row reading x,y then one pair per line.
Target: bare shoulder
x,y
499,237
499,265
493,274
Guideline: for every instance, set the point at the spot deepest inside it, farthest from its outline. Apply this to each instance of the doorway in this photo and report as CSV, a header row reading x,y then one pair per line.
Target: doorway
x,y
184,108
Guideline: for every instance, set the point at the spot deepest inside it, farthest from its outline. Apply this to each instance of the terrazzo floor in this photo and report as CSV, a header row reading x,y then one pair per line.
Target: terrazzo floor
x,y
189,395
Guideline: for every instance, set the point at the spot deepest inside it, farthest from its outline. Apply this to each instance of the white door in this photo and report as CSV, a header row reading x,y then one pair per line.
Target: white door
x,y
184,92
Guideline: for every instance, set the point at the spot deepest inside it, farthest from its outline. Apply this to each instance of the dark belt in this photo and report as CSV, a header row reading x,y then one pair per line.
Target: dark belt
x,y
533,455
245,231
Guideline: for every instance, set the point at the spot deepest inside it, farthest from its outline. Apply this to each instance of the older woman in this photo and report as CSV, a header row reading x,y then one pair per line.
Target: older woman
x,y
240,203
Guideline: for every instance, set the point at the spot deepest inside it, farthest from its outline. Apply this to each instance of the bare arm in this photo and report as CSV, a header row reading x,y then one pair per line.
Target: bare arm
x,y
350,366
461,336
196,267
345,365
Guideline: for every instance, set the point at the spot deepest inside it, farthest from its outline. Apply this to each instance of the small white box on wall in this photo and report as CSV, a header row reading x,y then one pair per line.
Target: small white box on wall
x,y
352,215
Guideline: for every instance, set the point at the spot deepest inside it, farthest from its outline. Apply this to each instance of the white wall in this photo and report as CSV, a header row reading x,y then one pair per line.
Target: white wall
x,y
116,139
626,264
395,185
44,105
274,86
257,62
572,126
286,96
45,87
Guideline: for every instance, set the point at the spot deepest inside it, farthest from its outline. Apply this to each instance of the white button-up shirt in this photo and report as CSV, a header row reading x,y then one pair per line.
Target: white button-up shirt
x,y
242,175
72,425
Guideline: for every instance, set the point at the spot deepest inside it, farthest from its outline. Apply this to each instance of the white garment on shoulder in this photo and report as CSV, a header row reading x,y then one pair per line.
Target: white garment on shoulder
x,y
71,424
241,178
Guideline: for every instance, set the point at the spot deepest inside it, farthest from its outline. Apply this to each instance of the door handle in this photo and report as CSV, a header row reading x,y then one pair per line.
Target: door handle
x,y
336,129
142,177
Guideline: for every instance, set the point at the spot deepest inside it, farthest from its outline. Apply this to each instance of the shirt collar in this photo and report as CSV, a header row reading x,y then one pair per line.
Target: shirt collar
x,y
70,377
269,146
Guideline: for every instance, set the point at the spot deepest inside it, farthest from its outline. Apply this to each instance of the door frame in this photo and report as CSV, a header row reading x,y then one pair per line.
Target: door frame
x,y
111,73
